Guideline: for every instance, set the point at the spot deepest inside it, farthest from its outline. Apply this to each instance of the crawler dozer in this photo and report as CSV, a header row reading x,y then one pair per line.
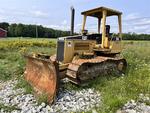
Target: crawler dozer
x,y
80,58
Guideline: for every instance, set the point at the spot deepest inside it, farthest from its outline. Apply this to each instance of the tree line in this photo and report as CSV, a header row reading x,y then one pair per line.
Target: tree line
x,y
22,30
134,36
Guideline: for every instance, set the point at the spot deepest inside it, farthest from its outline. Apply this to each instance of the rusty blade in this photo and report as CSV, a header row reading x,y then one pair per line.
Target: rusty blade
x,y
42,75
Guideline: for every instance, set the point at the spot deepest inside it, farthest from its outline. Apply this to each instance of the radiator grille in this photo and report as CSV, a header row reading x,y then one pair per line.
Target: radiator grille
x,y
81,46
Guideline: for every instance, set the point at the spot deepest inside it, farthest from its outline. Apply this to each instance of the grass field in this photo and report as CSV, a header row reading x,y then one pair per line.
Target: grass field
x,y
115,91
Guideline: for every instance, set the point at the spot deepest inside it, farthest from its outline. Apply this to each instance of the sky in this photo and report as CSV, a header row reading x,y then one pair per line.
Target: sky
x,y
56,13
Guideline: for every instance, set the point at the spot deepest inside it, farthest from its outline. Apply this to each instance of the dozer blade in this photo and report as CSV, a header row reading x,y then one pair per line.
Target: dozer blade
x,y
42,74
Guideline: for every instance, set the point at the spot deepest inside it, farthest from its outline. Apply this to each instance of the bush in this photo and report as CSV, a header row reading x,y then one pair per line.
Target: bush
x,y
134,36
16,44
19,43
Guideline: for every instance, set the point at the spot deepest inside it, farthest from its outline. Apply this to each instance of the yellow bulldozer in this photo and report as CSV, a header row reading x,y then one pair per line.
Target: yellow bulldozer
x,y
80,58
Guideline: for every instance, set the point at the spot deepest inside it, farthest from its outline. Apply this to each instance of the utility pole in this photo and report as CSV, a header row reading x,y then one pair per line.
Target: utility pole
x,y
36,31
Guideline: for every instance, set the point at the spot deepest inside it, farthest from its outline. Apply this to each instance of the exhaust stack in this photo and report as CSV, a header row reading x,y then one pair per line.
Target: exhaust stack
x,y
72,20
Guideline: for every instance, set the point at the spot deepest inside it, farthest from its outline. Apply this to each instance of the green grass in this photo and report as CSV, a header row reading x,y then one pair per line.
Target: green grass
x,y
22,83
8,108
115,91
42,98
12,62
18,43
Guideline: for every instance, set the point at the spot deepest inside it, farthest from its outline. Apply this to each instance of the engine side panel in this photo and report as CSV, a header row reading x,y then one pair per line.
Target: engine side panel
x,y
60,50
67,47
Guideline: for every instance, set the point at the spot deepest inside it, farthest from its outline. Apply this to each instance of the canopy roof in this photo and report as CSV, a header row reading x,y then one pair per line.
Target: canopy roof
x,y
98,12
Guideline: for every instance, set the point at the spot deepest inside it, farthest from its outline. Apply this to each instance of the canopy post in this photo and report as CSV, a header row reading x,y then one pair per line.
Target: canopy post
x,y
103,27
99,25
120,26
84,22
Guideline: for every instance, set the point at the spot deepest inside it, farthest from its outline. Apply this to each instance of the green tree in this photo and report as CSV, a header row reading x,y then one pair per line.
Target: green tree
x,y
4,25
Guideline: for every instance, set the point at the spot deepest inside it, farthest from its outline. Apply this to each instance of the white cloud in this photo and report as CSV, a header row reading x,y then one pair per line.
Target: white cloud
x,y
39,14
148,31
9,13
133,22
137,28
59,27
136,23
143,21
2,11
132,16
80,1
64,22
2,19
79,25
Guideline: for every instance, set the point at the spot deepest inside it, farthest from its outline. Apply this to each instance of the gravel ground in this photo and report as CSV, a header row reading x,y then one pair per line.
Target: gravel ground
x,y
140,106
67,101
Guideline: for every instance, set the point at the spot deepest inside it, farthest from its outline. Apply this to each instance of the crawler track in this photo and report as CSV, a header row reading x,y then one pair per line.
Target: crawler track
x,y
82,70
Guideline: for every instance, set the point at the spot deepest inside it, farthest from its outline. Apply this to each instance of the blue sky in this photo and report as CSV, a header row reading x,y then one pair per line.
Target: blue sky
x,y
56,13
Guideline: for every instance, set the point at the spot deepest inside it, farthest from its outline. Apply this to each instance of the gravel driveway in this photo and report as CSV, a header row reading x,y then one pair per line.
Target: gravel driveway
x,y
142,105
67,101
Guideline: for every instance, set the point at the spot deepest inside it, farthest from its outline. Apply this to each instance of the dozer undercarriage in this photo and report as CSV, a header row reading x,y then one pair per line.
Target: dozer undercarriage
x,y
81,71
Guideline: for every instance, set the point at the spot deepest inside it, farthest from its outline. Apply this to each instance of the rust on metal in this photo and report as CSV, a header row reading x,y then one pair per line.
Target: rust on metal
x,y
42,74
81,70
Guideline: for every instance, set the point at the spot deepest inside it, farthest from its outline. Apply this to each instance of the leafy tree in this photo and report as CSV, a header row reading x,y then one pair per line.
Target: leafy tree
x,y
4,25
12,30
22,30
134,36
